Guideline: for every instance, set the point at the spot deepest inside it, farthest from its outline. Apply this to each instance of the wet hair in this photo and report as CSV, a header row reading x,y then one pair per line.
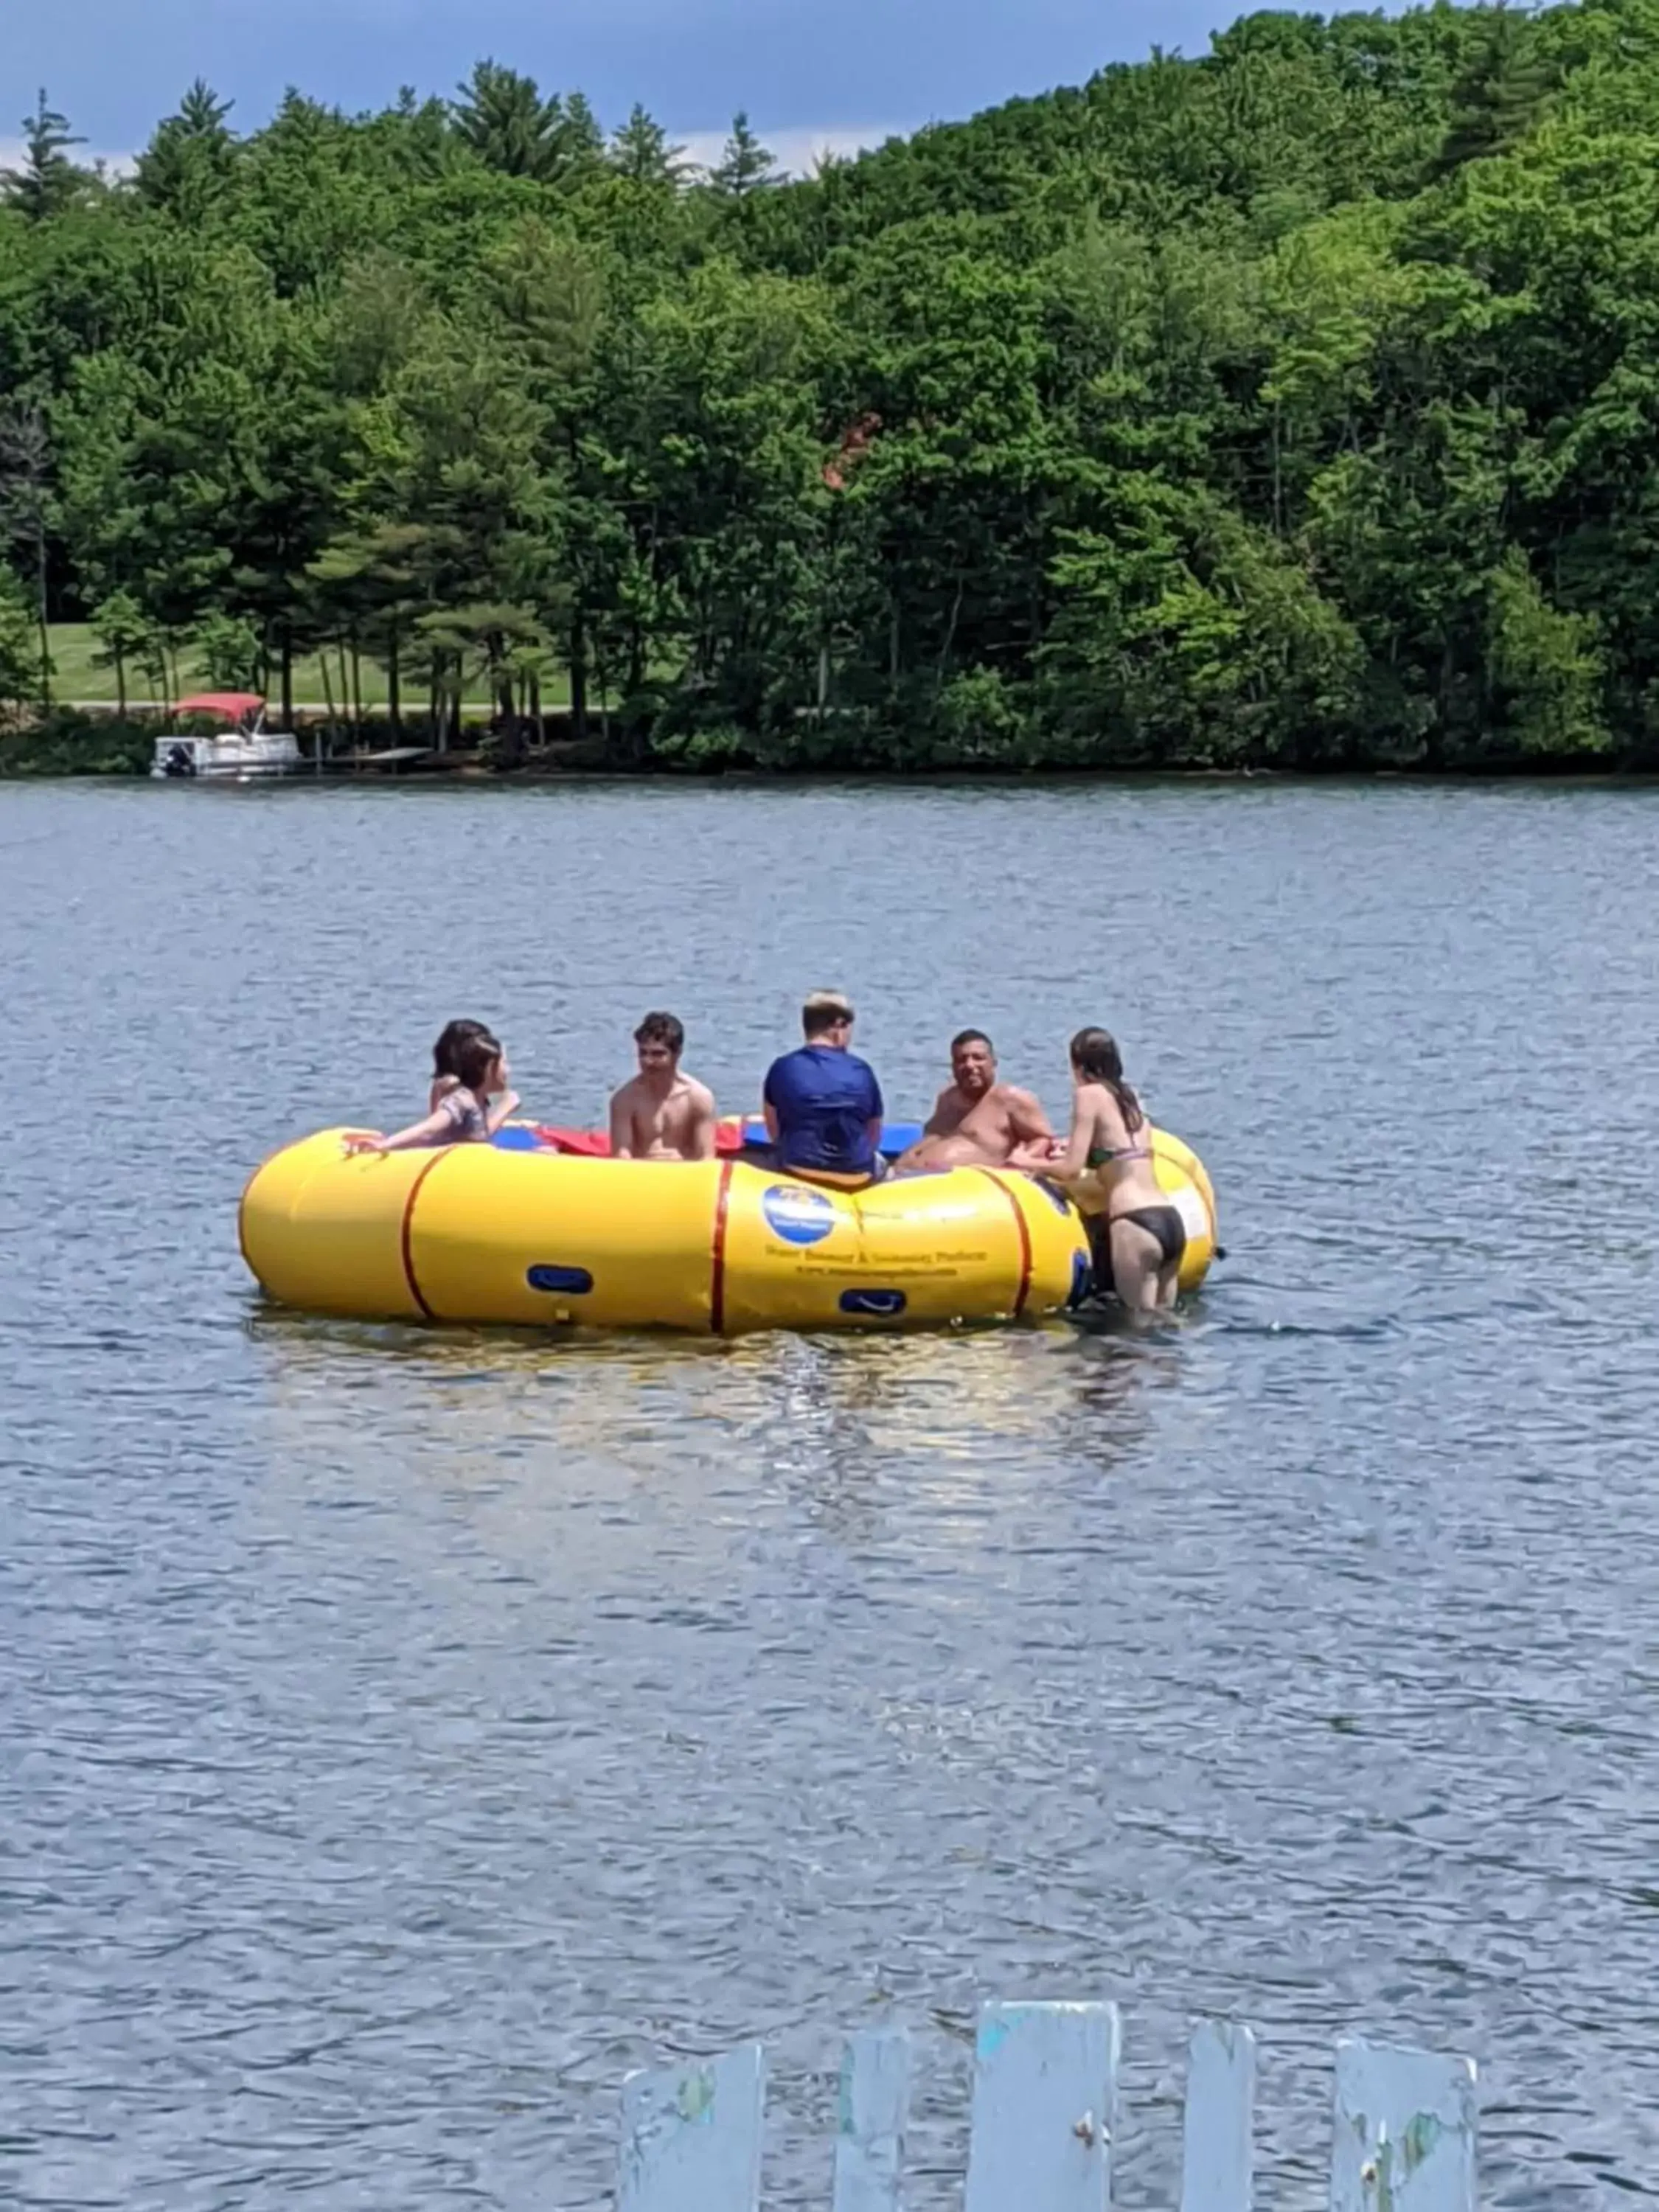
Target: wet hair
x,y
662,1028
450,1041
474,1057
971,1036
1097,1059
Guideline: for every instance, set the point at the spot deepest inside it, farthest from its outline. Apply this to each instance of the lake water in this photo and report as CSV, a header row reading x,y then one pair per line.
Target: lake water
x,y
404,1734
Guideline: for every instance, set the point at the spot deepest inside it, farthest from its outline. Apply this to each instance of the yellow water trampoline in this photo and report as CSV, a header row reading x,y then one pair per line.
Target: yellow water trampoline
x,y
526,1233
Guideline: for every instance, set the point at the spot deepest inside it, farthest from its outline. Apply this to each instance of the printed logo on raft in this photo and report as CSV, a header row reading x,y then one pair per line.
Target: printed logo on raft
x,y
797,1215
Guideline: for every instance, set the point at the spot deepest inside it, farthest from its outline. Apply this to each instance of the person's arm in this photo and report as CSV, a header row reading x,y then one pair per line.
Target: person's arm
x,y
934,1125
420,1133
701,1145
768,1111
877,1110
622,1125
1075,1157
503,1110
1031,1140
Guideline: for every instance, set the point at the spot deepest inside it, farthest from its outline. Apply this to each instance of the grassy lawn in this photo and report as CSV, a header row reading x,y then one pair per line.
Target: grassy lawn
x,y
77,677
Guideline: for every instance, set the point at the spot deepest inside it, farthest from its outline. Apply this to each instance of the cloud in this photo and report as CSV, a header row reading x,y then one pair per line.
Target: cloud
x,y
13,152
796,149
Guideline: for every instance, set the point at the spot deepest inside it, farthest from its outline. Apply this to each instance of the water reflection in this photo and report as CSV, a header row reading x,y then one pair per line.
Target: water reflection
x,y
410,1731
696,1430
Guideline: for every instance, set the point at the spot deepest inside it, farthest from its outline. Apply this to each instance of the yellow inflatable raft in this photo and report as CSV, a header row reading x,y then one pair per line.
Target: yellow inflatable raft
x,y
477,1233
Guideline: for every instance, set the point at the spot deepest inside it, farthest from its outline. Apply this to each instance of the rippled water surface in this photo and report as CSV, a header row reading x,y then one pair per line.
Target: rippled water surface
x,y
405,1733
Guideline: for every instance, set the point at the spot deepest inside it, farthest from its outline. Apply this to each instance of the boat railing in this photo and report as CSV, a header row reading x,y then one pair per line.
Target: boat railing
x,y
1043,2123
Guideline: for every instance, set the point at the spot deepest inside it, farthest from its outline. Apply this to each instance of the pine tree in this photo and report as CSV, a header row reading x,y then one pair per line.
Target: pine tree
x,y
745,165
202,113
581,140
502,116
25,507
640,149
191,157
20,663
504,119
1496,95
48,181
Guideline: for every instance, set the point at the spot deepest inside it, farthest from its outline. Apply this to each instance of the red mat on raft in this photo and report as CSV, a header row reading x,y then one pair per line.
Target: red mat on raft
x,y
595,1144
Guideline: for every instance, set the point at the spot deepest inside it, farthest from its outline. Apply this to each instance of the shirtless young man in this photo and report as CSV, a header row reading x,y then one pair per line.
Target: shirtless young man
x,y
662,1115
977,1121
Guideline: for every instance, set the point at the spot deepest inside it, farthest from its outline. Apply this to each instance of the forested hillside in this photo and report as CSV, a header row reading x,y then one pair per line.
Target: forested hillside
x,y
1296,405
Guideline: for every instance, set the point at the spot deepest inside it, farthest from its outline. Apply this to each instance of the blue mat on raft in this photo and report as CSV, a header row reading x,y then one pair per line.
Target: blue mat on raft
x,y
896,1137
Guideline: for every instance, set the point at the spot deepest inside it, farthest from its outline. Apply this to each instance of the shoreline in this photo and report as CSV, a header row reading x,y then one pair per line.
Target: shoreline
x,y
95,741
463,773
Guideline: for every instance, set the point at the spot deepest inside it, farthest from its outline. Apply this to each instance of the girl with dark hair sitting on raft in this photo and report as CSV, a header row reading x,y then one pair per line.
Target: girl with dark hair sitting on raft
x,y
468,1111
446,1071
1140,1243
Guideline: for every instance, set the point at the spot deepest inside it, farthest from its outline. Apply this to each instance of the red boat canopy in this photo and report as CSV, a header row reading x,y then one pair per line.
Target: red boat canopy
x,y
233,703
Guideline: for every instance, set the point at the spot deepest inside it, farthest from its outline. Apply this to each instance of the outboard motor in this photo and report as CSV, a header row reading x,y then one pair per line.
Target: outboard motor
x,y
180,761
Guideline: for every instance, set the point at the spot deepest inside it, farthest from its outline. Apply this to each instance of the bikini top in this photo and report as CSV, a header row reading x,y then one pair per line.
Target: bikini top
x,y
467,1115
1100,1155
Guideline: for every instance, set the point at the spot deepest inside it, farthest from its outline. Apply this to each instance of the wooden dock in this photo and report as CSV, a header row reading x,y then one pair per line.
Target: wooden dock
x,y
1043,2119
389,756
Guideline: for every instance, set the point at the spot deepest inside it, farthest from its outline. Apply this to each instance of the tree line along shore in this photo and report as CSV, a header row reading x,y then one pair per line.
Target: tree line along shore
x,y
1291,406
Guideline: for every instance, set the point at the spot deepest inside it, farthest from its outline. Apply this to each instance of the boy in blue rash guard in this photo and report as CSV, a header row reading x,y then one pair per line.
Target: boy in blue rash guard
x,y
823,1105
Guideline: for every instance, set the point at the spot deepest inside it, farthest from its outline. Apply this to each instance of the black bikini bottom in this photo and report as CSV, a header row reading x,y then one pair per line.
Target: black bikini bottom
x,y
1164,1223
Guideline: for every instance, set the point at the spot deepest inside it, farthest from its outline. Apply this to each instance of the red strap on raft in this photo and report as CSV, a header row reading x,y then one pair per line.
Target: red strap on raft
x,y
595,1144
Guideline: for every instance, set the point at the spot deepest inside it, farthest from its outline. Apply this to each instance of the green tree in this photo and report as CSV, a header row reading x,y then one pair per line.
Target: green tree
x,y
229,652
47,182
1546,668
641,149
1293,403
20,662
191,161
26,505
369,589
547,296
745,165
1499,92
453,451
1182,633
501,116
126,639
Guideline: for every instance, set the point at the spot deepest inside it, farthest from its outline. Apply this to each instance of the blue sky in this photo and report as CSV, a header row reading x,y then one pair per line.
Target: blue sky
x,y
808,73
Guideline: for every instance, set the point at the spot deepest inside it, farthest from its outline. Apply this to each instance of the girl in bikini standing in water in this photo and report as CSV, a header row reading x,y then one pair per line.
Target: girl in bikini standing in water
x,y
1144,1234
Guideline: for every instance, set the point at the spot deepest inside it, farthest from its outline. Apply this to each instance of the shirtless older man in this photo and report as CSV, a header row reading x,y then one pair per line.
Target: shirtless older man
x,y
977,1121
662,1114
